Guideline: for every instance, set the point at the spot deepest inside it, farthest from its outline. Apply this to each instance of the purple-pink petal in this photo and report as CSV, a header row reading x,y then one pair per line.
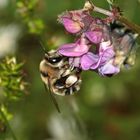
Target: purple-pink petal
x,y
103,58
96,65
104,46
73,49
88,60
71,26
108,68
106,51
107,55
94,36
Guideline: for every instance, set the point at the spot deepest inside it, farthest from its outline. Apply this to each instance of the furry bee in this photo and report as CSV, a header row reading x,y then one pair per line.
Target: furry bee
x,y
58,76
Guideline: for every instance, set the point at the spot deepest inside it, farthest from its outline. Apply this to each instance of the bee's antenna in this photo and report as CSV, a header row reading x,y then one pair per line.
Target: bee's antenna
x,y
52,97
42,45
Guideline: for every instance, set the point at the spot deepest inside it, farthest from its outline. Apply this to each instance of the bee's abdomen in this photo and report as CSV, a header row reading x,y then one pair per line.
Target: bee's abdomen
x,y
67,85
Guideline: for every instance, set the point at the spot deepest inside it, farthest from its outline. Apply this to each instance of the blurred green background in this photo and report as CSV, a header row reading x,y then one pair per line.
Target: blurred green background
x,y
104,108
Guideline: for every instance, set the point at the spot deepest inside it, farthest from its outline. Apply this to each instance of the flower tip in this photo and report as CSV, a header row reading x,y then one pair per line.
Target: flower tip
x,y
108,69
71,26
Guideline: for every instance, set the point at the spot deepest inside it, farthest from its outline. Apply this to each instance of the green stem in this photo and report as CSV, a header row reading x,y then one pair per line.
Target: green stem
x,y
90,6
7,123
131,25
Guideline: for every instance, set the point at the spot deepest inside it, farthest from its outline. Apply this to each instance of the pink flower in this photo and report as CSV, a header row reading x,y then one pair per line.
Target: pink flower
x,y
94,61
112,45
79,55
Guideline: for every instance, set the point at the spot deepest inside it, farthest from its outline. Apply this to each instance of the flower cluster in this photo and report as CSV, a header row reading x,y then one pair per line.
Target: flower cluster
x,y
99,46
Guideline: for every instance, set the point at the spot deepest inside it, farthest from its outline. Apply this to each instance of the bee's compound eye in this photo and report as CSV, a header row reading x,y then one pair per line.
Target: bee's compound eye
x,y
44,74
54,60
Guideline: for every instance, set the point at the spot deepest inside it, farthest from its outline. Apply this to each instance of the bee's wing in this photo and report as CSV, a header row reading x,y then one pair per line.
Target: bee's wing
x,y
52,97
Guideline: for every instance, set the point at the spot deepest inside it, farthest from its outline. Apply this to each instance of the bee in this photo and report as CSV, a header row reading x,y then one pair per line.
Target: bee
x,y
124,40
59,76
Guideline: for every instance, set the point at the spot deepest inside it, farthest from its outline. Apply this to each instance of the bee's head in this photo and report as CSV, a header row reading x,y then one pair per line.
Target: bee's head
x,y
54,59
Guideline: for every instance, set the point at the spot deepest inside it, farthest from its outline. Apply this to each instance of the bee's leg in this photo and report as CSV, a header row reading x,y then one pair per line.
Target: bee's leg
x,y
71,67
66,72
52,97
